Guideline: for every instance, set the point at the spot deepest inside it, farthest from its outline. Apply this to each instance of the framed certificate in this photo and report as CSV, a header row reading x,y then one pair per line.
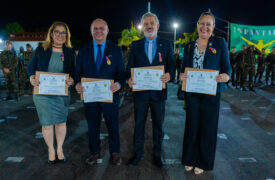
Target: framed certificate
x,y
147,78
51,83
200,81
96,90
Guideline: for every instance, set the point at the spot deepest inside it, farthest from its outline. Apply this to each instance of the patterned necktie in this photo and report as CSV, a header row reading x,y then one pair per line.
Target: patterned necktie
x,y
98,58
150,51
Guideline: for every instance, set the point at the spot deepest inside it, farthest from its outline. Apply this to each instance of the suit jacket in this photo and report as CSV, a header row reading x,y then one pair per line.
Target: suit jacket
x,y
41,58
86,67
216,61
138,58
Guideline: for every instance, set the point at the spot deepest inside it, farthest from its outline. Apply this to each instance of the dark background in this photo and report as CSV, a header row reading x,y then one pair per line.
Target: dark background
x,y
39,15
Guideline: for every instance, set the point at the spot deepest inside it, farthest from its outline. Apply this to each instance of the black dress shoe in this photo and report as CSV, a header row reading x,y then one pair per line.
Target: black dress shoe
x,y
251,89
51,162
244,89
134,161
158,161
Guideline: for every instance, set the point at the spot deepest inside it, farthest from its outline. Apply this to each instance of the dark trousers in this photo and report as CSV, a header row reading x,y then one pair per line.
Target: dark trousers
x,y
157,113
200,136
94,113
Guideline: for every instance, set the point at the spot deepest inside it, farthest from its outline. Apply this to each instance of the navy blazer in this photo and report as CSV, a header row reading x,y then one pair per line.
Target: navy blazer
x,y
138,58
215,61
41,58
86,67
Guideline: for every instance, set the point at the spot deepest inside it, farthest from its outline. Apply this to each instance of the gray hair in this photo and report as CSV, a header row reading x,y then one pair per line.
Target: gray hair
x,y
207,14
149,14
99,19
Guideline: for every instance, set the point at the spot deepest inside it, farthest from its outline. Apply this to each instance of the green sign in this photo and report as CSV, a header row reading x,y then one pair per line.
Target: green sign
x,y
259,36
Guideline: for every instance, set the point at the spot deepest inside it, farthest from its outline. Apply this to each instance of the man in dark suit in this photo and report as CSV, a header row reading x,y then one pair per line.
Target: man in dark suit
x,y
104,60
150,51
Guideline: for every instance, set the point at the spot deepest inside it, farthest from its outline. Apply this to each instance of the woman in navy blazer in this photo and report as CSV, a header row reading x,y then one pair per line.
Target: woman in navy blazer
x,y
56,56
202,112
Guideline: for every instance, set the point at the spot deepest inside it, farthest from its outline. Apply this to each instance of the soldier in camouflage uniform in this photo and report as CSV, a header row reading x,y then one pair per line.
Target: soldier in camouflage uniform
x,y
233,56
8,63
240,66
260,69
250,65
24,84
270,60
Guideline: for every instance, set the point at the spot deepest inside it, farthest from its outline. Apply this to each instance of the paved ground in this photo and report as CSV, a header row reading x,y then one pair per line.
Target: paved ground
x,y
245,149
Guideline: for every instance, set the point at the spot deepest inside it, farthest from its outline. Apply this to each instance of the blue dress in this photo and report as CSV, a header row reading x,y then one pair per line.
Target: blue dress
x,y
52,110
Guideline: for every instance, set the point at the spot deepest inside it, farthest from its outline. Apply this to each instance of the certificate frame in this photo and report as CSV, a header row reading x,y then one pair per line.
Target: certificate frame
x,y
183,87
93,80
147,67
37,77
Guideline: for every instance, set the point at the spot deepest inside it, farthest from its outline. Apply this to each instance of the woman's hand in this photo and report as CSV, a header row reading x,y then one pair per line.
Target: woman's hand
x,y
33,81
183,76
115,87
222,78
131,83
70,81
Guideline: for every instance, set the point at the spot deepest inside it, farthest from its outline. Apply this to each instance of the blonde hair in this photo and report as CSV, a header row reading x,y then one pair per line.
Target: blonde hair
x,y
49,41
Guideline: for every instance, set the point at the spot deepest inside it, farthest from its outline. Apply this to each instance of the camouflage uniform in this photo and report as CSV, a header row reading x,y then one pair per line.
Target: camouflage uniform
x,y
8,60
240,66
270,68
260,68
24,84
233,63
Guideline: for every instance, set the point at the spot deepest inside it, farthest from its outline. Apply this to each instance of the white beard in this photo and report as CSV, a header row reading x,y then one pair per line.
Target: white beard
x,y
148,35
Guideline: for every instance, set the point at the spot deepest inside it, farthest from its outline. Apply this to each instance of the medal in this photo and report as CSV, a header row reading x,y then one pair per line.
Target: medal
x,y
160,57
62,57
108,61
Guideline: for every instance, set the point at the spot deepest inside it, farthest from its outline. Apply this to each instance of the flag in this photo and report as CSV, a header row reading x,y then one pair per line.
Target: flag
x,y
259,36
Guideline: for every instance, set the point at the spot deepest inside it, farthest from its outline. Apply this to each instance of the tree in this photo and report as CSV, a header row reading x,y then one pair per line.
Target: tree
x,y
129,35
188,37
10,28
14,27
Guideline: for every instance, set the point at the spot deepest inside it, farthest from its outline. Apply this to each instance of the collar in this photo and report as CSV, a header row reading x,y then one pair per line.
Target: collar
x,y
153,40
95,44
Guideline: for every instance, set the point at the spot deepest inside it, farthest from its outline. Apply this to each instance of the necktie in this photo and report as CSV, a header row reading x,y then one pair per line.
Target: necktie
x,y
150,51
98,58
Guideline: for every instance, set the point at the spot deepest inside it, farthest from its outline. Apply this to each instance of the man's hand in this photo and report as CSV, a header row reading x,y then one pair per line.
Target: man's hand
x,y
115,87
79,88
165,77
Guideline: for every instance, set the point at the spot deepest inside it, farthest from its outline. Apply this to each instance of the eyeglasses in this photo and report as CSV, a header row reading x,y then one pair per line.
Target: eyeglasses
x,y
63,33
205,24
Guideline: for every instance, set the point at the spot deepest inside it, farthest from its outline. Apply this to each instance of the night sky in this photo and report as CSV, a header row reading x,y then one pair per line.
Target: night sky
x,y
38,15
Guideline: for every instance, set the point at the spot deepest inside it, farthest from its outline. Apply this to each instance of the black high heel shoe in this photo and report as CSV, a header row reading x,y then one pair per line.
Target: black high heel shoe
x,y
52,162
61,160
